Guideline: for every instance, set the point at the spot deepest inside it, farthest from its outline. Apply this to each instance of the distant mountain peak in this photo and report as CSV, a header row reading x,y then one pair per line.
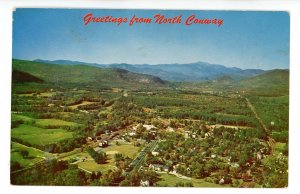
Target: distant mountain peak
x,y
196,71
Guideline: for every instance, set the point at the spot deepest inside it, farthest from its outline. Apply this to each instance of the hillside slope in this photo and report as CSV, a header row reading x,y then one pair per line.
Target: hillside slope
x,y
82,74
20,76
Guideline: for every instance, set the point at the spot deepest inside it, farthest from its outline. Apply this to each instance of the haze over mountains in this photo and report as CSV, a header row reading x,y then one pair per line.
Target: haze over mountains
x,y
198,71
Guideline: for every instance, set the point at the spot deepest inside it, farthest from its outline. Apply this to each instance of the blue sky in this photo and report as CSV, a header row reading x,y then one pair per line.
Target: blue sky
x,y
245,40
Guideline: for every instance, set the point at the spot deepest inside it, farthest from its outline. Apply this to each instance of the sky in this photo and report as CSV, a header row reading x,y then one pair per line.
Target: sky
x,y
246,39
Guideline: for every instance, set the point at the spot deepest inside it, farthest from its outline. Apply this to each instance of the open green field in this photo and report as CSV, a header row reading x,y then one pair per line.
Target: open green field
x,y
17,117
39,136
42,94
44,123
280,147
35,155
54,123
125,149
83,103
91,165
171,181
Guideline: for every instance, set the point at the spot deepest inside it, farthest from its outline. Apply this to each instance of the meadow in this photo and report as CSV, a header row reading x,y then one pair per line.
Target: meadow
x,y
39,136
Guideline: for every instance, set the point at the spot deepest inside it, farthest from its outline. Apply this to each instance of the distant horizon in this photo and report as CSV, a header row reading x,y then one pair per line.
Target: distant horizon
x,y
35,60
246,39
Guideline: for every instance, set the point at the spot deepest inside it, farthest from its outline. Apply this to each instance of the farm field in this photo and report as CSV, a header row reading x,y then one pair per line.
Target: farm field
x,y
52,123
83,103
35,155
125,149
92,166
39,136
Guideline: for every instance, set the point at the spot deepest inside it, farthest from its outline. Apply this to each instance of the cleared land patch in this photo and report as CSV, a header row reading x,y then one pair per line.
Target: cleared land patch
x,y
34,156
52,123
83,103
125,149
39,136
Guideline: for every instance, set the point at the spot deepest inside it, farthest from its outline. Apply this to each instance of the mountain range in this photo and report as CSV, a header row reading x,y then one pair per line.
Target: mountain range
x,y
272,82
191,72
32,71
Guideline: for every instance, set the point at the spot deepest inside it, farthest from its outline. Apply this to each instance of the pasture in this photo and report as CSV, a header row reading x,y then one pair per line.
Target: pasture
x,y
35,155
39,136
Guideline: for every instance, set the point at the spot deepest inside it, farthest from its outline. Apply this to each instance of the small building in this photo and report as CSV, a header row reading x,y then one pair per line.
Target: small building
x,y
194,135
166,168
144,183
186,134
90,138
170,129
97,149
103,144
235,165
149,127
221,181
154,153
258,156
107,132
156,167
132,133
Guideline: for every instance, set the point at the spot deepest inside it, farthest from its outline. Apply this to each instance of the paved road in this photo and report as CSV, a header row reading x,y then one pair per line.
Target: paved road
x,y
257,117
140,159
271,141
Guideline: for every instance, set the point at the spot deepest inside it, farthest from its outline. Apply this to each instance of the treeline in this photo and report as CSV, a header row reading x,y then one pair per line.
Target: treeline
x,y
99,157
52,172
237,120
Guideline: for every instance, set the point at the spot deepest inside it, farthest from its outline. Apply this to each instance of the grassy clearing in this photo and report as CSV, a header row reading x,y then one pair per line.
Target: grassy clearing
x,y
54,123
40,136
46,94
44,123
171,181
125,149
280,147
42,94
17,117
73,154
91,165
35,155
83,103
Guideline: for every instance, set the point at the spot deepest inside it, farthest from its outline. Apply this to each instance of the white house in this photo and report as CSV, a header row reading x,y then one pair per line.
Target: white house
x,y
149,127
144,183
170,129
154,153
156,167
